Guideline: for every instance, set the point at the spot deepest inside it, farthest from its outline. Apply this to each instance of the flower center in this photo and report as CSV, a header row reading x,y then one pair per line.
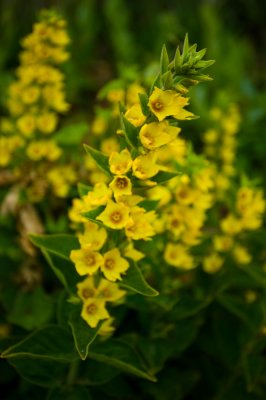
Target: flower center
x,y
91,309
87,293
157,105
116,217
121,183
109,263
90,259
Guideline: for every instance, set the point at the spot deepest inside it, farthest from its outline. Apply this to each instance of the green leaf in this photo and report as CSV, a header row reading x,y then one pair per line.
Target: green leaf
x,y
51,343
130,131
71,134
177,60
164,60
188,306
93,214
31,309
149,205
101,159
44,373
144,99
64,270
83,189
69,393
83,334
164,176
59,244
135,281
120,355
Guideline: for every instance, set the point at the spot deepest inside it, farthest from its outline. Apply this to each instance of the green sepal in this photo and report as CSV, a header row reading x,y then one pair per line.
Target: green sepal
x,y
101,159
93,214
164,176
149,205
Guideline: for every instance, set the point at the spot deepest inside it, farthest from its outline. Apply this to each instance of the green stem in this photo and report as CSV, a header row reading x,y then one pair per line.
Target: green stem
x,y
73,372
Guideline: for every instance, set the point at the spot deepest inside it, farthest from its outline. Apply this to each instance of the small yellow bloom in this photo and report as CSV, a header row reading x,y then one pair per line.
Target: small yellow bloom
x,y
241,255
86,261
93,311
231,225
106,328
120,163
144,167
30,95
212,263
46,122
177,255
135,116
99,126
87,289
157,134
114,265
110,145
93,236
164,103
140,227
115,215
132,253
99,196
121,185
132,95
223,243
26,125
110,291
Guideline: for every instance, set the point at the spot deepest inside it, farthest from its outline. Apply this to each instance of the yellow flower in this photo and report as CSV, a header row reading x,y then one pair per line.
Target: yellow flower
x,y
121,185
175,221
30,95
93,236
157,134
212,263
144,167
231,225
223,243
110,145
185,195
114,265
87,289
116,95
53,151
131,252
110,291
115,215
46,122
26,125
132,95
75,211
86,261
177,255
135,116
120,163
164,103
93,311
106,328
35,150
141,225
99,126
241,255
99,196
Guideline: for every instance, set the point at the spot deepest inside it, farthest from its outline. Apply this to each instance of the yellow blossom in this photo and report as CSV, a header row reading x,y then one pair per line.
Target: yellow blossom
x,y
110,291
120,163
241,255
46,122
99,126
212,263
87,289
231,225
86,261
26,125
140,226
106,328
110,145
115,215
223,243
99,196
157,134
144,167
177,255
121,185
93,311
93,237
114,265
135,116
131,252
164,103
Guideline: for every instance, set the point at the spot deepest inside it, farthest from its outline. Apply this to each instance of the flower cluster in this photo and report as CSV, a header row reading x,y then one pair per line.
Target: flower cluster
x,y
36,99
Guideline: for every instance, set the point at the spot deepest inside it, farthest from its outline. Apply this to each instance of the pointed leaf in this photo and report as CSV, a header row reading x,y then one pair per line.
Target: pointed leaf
x,y
164,176
51,342
164,60
71,134
120,355
59,244
144,99
83,334
101,159
130,131
93,214
135,281
64,270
